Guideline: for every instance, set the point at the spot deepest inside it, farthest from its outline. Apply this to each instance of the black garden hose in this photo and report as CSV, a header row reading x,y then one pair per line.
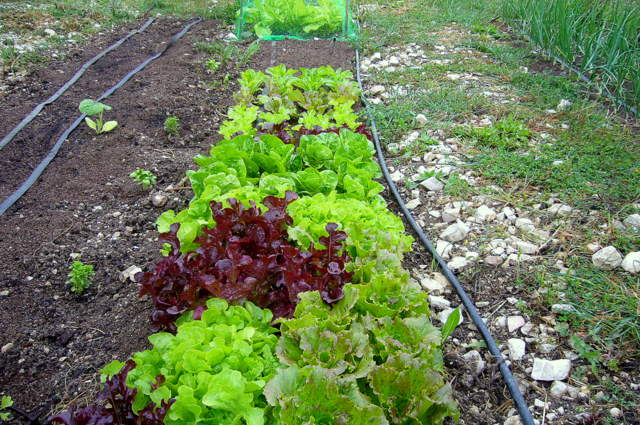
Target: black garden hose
x,y
7,203
34,113
472,311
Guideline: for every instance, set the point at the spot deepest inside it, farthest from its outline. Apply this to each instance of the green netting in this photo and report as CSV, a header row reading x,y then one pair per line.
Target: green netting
x,y
299,19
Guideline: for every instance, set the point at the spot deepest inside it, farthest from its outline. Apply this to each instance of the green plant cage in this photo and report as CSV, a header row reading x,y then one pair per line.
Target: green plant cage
x,y
297,19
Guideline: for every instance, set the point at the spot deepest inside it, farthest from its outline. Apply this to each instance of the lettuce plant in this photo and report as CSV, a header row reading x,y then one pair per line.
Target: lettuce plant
x,y
119,404
246,256
212,370
374,357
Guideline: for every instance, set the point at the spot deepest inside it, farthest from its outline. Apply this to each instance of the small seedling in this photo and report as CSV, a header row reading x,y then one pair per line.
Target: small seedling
x,y
91,107
171,125
145,177
80,276
5,403
212,65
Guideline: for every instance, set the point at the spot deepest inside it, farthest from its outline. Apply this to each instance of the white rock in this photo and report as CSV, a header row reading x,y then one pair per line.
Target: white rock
x,y
560,209
493,260
512,420
455,232
561,308
130,273
517,348
525,224
231,37
393,60
594,247
433,184
631,262
484,213
523,246
49,32
439,303
563,105
514,323
432,286
421,120
633,221
509,213
475,359
550,370
607,258
558,389
414,203
376,90
458,263
397,176
444,248
454,77
159,199
444,315
8,346
615,412
450,214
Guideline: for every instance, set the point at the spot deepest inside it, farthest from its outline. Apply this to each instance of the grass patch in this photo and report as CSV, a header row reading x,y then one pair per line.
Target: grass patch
x,y
507,134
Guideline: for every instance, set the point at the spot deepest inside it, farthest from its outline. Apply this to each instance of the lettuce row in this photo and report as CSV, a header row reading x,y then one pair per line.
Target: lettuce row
x,y
286,17
214,369
316,97
249,169
374,357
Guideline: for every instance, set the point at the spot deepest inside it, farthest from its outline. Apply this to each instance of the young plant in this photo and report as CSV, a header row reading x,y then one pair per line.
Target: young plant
x,y
171,126
5,403
212,65
145,177
80,276
91,107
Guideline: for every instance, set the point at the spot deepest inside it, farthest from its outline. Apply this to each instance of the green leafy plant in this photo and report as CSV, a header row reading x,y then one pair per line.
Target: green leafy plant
x,y
91,107
507,134
145,177
5,402
212,65
374,358
214,367
172,126
80,276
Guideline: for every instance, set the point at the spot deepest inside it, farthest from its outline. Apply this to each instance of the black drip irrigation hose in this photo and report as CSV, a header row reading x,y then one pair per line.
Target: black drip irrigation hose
x,y
472,311
7,203
34,113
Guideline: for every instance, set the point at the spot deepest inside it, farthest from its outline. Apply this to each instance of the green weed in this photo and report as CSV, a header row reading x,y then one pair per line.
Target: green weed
x,y
145,177
80,277
508,134
172,126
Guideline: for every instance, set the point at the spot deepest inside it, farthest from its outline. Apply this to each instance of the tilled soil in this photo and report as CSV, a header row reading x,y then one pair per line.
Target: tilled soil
x,y
86,207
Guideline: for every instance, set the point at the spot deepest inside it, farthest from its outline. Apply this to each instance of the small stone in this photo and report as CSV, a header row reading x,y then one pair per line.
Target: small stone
x,y
450,214
454,77
457,263
558,389
525,224
523,246
514,323
231,37
517,348
433,184
550,370
421,120
159,200
633,221
397,176
562,308
560,209
439,303
375,90
444,248
493,260
432,286
563,105
474,358
49,32
129,273
607,258
631,262
615,412
8,346
455,232
512,420
484,214
594,247
444,315
413,204
74,255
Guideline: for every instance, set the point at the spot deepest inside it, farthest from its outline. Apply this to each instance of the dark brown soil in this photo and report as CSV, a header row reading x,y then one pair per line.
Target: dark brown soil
x,y
85,206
